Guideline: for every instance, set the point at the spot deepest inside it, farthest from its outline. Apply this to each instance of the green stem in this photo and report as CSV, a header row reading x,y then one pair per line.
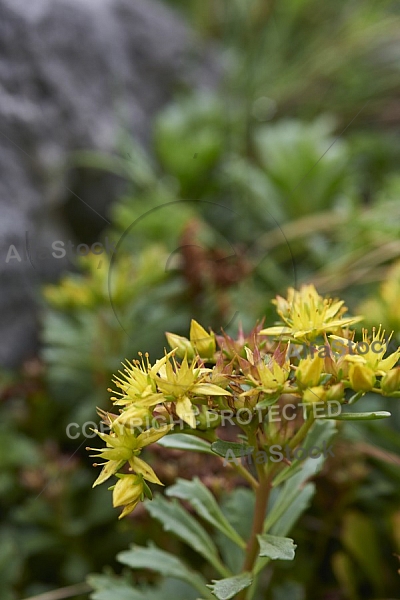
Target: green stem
x,y
302,432
245,474
260,508
262,497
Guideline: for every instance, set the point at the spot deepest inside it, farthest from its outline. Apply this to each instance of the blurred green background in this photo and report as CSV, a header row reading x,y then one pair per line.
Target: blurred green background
x,y
287,173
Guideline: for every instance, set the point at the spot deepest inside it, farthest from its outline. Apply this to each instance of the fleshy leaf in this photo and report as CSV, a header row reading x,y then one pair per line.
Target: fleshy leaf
x,y
204,503
184,441
276,547
224,589
365,416
221,448
164,563
179,522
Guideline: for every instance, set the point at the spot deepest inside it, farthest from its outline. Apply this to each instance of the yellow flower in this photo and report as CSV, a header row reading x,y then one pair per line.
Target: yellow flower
x,y
335,392
123,446
177,382
370,352
134,416
268,377
137,382
200,341
203,342
362,378
309,371
181,344
391,381
305,314
315,394
128,492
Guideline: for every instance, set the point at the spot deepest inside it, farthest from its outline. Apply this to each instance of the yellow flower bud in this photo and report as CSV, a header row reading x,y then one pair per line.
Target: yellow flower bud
x,y
309,371
315,394
362,378
134,416
128,490
336,392
183,344
391,381
203,342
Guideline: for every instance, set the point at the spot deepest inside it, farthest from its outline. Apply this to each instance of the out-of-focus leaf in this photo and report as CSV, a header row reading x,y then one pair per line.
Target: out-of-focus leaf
x,y
164,563
179,522
361,541
204,503
224,589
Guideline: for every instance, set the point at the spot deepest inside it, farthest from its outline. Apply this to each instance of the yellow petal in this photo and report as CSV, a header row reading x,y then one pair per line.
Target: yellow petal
x,y
276,330
128,489
184,410
109,469
152,435
142,468
209,389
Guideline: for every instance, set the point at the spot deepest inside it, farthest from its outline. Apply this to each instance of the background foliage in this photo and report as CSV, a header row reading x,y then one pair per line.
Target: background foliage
x,y
287,173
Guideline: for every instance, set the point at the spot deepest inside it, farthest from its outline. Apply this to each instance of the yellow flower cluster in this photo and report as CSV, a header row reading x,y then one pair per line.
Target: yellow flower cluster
x,y
208,374
146,391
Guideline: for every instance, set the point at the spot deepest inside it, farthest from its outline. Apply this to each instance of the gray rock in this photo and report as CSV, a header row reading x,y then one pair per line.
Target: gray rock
x,y
73,74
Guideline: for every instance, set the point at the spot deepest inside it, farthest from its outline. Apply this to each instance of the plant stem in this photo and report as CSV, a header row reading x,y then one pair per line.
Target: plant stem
x,y
302,432
262,496
260,508
245,474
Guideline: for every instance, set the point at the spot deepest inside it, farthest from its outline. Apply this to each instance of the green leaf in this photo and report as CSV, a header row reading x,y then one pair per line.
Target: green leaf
x,y
183,441
276,547
112,588
238,507
286,520
164,563
176,519
224,589
290,492
366,416
359,537
221,448
204,503
290,502
320,432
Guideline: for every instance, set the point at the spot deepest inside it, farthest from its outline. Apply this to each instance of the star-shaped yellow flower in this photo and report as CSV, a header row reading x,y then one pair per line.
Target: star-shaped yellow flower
x,y
123,446
306,315
180,381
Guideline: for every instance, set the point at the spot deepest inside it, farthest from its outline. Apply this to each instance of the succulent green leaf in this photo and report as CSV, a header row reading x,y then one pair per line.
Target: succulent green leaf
x,y
276,547
224,589
204,503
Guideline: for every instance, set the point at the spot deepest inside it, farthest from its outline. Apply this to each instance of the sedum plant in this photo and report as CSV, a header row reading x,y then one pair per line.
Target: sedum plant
x,y
265,403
